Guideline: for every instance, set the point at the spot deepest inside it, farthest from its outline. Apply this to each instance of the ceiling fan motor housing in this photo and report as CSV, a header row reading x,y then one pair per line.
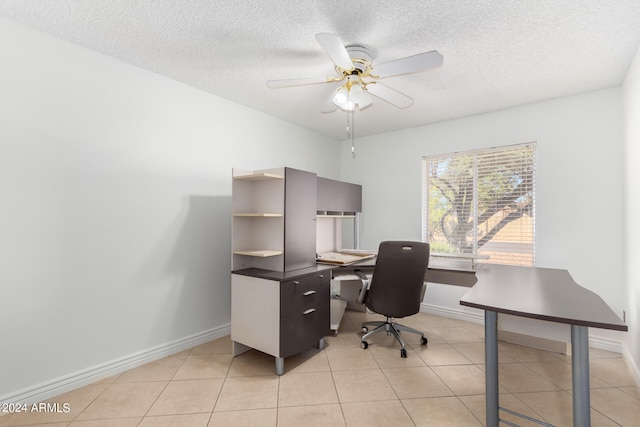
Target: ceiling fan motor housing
x,y
360,55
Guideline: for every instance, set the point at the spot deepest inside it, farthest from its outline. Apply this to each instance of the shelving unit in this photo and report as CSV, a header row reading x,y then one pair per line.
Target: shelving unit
x,y
258,219
280,296
273,214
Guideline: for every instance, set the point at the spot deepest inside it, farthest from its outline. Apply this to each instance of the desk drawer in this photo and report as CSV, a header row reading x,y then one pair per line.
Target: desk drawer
x,y
299,332
304,295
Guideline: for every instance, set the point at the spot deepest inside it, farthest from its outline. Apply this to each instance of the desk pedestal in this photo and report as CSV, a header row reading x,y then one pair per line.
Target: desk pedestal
x,y
277,313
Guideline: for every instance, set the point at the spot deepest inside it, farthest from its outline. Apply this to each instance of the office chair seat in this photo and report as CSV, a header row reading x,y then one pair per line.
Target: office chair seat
x,y
396,289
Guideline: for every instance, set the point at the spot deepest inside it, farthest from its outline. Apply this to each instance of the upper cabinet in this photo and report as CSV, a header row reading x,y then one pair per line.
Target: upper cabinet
x,y
338,197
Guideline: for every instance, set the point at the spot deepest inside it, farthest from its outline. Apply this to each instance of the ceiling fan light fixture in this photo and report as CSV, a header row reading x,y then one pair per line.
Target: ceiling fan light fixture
x,y
360,96
350,94
341,99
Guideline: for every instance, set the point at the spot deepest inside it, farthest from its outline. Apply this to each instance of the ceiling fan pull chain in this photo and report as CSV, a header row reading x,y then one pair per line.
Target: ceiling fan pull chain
x,y
350,124
353,147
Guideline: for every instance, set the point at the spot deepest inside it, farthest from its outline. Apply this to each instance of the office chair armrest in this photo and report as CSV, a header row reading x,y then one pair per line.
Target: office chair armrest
x,y
365,285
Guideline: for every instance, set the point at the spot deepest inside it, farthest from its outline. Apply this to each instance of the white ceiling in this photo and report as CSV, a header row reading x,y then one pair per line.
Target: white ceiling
x,y
497,53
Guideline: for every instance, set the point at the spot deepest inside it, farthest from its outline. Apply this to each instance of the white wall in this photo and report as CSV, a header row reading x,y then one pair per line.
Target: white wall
x,y
579,195
631,90
115,209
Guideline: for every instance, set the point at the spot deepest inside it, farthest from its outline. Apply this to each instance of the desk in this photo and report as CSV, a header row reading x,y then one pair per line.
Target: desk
x,y
446,276
283,313
545,294
351,285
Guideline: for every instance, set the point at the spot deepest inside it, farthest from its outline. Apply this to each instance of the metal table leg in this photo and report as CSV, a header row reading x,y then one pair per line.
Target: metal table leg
x,y
279,365
322,343
491,361
580,376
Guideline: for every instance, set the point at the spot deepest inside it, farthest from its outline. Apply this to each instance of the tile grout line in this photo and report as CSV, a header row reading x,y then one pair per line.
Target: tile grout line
x,y
164,388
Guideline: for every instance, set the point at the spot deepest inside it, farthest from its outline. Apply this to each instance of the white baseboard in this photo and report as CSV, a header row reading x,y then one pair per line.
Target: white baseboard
x,y
452,313
614,346
534,342
48,389
633,368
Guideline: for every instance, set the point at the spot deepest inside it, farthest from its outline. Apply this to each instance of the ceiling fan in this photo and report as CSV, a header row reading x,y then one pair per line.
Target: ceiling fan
x,y
359,77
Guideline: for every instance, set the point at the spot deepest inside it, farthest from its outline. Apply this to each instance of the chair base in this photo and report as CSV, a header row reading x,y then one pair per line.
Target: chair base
x,y
390,327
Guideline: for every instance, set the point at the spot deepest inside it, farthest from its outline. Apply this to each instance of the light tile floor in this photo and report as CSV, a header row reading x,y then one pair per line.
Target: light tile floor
x,y
440,384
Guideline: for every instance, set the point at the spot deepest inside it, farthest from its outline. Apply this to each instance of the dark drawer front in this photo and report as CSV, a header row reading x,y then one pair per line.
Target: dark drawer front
x,y
302,331
304,294
304,312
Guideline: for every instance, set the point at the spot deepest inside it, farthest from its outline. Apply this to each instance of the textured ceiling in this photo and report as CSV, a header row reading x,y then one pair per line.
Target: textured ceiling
x,y
497,53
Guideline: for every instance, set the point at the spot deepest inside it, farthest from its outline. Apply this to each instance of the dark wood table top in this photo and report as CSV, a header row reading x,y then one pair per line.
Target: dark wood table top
x,y
283,275
539,293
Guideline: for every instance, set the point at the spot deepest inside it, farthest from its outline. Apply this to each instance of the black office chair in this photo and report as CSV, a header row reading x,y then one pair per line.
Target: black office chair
x,y
396,289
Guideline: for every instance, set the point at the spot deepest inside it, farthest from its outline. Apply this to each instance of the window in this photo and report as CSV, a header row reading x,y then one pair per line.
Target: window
x,y
481,203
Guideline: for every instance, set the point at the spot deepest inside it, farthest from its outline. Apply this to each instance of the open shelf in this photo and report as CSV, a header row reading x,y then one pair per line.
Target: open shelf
x,y
259,214
262,253
259,176
258,211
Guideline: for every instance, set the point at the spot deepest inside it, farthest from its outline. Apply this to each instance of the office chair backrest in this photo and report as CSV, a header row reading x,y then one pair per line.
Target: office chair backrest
x,y
398,278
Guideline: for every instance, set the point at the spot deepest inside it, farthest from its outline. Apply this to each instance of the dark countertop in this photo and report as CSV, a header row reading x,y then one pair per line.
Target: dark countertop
x,y
283,275
449,276
539,293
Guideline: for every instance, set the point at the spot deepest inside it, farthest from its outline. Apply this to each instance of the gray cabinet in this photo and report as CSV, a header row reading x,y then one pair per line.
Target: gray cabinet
x,y
338,196
299,219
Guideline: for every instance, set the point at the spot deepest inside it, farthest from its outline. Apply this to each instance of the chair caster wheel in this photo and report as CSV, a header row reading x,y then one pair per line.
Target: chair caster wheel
x,y
423,341
365,329
364,345
403,353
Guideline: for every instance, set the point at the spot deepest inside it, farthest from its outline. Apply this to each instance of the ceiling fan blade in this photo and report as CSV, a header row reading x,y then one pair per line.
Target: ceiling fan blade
x,y
410,64
390,95
276,84
334,47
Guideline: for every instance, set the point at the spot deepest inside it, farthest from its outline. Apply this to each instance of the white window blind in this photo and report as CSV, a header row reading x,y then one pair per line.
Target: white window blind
x,y
482,202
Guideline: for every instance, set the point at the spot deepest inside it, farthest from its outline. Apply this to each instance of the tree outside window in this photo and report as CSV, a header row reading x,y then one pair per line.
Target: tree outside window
x,y
482,203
